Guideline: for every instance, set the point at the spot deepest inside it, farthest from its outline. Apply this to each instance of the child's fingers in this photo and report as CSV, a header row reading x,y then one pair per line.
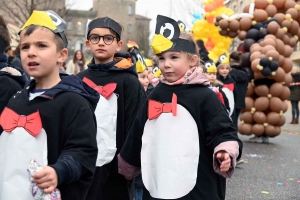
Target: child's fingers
x,y
49,190
40,174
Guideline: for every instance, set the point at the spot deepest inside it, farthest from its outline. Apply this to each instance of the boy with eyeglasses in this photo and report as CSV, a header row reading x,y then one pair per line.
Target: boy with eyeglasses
x,y
114,76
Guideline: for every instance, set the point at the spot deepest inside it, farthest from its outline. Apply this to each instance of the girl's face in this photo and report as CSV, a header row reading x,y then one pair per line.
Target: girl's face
x,y
150,74
78,55
143,78
223,71
174,64
211,77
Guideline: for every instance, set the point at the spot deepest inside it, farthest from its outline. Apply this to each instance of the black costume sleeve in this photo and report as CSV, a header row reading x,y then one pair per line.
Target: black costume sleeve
x,y
131,149
226,103
80,137
134,99
218,126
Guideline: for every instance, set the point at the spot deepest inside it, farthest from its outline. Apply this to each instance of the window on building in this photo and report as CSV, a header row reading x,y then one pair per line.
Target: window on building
x,y
79,26
69,26
129,28
130,10
69,43
79,45
234,8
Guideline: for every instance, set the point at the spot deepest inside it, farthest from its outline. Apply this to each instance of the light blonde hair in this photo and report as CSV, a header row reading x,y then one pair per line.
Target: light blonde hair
x,y
188,36
224,65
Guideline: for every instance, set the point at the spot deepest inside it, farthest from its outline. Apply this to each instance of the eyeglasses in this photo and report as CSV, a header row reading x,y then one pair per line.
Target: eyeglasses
x,y
108,39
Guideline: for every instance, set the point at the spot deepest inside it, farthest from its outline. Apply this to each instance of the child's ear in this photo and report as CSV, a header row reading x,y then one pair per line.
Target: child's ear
x,y
87,44
120,45
63,55
194,60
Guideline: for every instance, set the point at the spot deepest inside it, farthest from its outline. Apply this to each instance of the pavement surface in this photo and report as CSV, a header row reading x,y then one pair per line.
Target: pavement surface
x,y
271,171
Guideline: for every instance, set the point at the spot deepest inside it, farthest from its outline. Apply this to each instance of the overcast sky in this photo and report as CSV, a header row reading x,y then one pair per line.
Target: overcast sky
x,y
177,9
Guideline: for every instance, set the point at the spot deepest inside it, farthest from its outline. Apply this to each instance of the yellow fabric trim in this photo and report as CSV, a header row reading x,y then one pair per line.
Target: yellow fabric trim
x,y
40,18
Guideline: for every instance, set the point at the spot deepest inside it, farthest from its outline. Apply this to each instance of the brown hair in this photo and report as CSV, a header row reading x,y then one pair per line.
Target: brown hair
x,y
4,33
235,57
60,45
75,60
224,65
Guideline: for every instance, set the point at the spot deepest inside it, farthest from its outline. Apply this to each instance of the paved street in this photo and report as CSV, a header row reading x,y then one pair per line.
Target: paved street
x,y
271,171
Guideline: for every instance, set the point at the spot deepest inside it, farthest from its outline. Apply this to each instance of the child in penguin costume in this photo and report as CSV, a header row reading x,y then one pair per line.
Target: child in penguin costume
x,y
113,75
12,79
51,120
182,138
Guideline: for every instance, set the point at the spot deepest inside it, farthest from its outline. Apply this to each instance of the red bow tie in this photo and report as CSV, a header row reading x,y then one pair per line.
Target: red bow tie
x,y
10,120
105,91
155,108
229,86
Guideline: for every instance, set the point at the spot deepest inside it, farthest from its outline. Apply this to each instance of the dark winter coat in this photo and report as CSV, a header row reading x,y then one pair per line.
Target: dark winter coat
x,y
295,87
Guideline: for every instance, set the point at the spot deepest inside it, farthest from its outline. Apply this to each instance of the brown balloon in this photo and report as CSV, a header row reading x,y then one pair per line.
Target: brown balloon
x,y
224,24
279,76
259,117
280,17
267,48
246,8
287,65
258,75
273,118
287,51
286,23
285,93
280,34
284,106
261,4
271,10
280,46
293,12
262,90
289,4
250,89
245,23
277,131
249,103
247,117
288,79
293,41
275,104
255,55
281,121
273,28
286,39
278,3
254,65
224,32
268,41
273,54
260,15
232,34
261,103
255,47
281,60
258,129
234,25
270,36
270,131
276,89
242,35
294,28
245,129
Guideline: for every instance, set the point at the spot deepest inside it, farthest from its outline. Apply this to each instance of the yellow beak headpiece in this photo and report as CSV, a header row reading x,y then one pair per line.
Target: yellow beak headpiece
x,y
50,20
140,61
166,37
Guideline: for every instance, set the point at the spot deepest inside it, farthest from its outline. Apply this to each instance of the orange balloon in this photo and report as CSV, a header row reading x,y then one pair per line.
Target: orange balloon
x,y
209,8
219,3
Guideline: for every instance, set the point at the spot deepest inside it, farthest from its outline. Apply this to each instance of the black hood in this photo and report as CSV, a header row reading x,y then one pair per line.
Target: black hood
x,y
112,66
70,83
20,79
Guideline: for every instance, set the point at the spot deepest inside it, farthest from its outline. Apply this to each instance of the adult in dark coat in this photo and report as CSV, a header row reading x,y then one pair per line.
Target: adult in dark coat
x,y
241,78
295,96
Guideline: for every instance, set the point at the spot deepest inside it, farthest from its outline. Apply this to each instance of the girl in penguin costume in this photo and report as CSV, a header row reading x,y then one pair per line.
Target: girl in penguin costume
x,y
12,79
182,139
51,120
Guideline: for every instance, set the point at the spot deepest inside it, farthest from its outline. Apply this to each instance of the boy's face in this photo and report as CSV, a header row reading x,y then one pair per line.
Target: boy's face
x,y
39,55
211,77
103,53
143,78
223,71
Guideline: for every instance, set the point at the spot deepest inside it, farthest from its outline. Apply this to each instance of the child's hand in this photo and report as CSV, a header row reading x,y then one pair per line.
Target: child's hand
x,y
46,179
225,159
